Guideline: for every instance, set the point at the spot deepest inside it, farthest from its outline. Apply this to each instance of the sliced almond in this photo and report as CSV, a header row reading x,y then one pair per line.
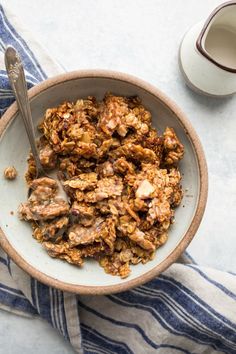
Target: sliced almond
x,y
144,190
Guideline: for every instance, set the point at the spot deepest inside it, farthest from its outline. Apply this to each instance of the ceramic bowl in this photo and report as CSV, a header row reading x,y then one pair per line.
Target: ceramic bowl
x,y
16,236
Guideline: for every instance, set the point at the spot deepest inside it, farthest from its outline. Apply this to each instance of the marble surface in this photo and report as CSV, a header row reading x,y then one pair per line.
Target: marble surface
x,y
141,38
20,335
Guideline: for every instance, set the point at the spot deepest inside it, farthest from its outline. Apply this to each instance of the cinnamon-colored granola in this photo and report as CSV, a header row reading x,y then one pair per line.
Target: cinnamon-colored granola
x,y
121,179
10,173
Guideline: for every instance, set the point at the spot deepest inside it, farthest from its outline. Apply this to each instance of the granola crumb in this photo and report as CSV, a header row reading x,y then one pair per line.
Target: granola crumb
x,y
10,173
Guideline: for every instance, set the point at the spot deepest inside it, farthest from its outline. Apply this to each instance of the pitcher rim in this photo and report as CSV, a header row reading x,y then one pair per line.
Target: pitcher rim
x,y
200,37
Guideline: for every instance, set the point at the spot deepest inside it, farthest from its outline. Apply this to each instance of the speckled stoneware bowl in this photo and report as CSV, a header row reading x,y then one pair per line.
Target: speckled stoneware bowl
x,y
16,236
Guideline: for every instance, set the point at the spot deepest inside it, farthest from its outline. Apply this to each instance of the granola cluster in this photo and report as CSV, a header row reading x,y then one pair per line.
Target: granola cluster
x,y
10,173
121,179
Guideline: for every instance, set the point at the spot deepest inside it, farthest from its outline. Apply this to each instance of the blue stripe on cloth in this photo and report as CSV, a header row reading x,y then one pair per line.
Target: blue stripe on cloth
x,y
133,326
91,348
162,313
5,102
9,35
43,299
55,309
5,85
7,96
187,295
197,308
2,111
212,281
52,305
14,301
63,315
3,261
2,46
15,291
190,257
6,262
191,320
33,295
94,337
55,314
4,92
120,323
9,264
217,324
160,307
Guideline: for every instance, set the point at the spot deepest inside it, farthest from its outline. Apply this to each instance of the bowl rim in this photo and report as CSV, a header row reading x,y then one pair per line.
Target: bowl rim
x,y
202,198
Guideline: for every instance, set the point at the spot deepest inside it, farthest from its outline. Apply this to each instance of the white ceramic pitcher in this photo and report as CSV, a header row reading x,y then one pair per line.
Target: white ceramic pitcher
x,y
207,55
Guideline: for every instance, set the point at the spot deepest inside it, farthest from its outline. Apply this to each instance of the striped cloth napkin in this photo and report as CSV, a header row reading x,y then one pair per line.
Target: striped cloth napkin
x,y
188,309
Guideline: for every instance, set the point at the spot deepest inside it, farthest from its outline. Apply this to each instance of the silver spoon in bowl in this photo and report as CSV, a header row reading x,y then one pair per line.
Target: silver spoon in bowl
x,y
16,75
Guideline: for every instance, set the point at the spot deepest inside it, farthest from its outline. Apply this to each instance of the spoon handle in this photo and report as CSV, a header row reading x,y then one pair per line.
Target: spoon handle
x,y
16,76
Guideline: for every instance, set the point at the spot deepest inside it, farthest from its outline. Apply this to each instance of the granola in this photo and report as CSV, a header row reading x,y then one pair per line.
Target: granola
x,y
10,173
121,178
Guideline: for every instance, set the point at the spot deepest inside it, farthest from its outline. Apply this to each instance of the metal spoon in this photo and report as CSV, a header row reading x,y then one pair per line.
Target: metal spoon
x,y
16,75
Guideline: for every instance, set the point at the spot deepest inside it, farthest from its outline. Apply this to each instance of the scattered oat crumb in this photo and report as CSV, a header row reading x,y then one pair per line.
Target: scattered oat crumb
x,y
12,212
10,173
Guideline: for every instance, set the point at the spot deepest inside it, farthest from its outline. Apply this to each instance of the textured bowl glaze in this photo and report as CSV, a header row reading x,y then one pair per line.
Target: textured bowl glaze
x,y
16,236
